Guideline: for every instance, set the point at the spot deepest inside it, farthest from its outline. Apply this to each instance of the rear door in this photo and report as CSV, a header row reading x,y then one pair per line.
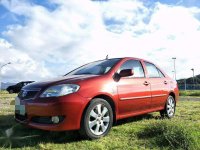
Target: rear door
x,y
134,94
159,86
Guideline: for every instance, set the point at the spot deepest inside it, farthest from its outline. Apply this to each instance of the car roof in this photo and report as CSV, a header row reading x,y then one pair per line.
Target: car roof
x,y
25,81
127,58
136,58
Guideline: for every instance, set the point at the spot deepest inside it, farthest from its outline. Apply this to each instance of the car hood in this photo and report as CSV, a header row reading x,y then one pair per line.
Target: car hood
x,y
60,80
11,86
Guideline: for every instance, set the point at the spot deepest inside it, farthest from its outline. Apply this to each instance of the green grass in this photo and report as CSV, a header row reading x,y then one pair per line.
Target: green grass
x,y
142,132
170,133
190,93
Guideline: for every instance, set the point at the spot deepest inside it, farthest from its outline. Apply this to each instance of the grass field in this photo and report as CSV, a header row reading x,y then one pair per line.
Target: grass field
x,y
142,132
190,93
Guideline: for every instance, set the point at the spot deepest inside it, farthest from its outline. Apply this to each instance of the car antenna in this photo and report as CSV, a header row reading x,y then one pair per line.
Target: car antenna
x,y
106,56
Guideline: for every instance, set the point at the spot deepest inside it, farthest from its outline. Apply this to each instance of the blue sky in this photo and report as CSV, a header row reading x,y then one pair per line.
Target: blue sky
x,y
48,38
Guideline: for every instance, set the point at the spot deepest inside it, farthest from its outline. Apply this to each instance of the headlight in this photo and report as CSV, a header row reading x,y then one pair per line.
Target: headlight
x,y
60,90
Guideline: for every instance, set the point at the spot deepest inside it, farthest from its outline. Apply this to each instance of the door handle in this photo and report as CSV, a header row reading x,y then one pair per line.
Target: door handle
x,y
146,83
165,82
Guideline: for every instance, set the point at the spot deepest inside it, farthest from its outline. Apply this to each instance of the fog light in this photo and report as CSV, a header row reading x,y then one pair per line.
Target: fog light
x,y
55,119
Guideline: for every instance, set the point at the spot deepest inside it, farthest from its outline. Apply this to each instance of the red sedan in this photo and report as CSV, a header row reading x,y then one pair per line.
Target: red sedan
x,y
94,96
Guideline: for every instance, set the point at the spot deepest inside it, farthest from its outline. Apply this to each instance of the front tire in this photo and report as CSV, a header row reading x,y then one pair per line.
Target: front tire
x,y
170,108
97,119
11,91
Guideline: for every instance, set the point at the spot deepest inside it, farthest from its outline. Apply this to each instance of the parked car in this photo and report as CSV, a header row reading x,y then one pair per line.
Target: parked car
x,y
17,87
94,96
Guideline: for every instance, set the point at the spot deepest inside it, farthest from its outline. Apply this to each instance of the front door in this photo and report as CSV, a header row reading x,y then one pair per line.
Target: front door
x,y
134,92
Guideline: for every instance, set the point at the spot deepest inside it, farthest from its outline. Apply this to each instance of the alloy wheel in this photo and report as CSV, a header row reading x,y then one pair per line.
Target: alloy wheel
x,y
170,106
99,119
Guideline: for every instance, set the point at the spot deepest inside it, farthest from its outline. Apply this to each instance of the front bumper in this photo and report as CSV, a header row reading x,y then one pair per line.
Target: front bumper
x,y
69,107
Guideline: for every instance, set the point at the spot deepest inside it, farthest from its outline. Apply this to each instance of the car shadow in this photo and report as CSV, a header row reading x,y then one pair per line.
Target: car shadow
x,y
136,118
15,135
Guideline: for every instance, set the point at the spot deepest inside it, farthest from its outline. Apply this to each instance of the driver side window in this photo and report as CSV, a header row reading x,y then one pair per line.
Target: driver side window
x,y
135,65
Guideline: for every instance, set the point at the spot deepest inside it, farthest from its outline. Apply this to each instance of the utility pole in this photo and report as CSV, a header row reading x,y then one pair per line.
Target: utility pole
x,y
193,78
173,74
185,84
0,72
174,58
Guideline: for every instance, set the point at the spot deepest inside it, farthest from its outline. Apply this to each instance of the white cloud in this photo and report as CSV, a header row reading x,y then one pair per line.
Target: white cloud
x,y
128,15
22,67
74,33
176,30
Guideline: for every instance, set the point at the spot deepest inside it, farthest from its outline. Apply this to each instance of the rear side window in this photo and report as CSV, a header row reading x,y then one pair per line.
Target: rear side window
x,y
152,70
135,65
161,74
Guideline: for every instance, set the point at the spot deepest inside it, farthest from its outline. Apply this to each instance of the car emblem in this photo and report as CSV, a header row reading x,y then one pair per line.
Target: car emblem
x,y
24,93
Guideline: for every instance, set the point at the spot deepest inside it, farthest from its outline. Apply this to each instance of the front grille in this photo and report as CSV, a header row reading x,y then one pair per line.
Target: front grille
x,y
20,117
27,94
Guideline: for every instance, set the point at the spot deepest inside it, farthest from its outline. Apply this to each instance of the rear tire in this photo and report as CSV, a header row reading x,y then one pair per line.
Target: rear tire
x,y
97,119
170,108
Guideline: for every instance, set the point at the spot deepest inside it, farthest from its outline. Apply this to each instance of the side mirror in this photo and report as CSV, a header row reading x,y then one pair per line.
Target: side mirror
x,y
126,73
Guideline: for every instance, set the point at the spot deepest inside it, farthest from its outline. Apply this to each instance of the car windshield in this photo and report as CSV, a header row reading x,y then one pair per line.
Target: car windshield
x,y
95,68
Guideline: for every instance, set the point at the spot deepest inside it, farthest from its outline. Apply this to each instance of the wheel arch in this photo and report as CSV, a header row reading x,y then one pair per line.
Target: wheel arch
x,y
108,99
173,95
